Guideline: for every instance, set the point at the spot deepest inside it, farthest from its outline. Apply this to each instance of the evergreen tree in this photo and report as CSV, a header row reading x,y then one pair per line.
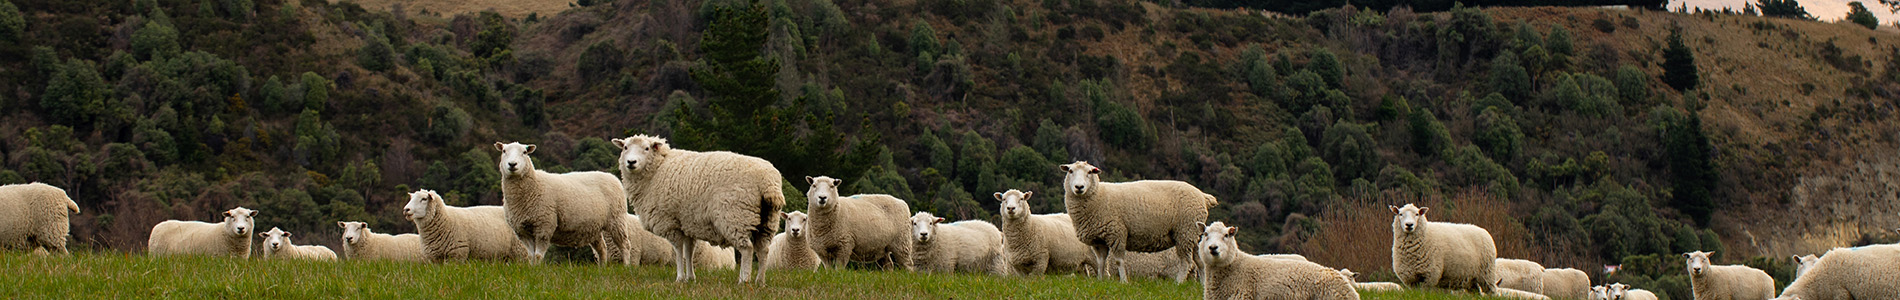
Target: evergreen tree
x,y
1858,14
1784,9
1691,170
1679,70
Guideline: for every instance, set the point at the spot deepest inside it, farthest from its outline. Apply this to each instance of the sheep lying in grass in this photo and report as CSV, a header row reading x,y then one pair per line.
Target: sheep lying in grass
x,y
1520,275
723,198
791,249
649,249
1232,274
359,243
35,216
1566,283
971,246
1443,255
1141,216
1039,244
1504,292
1620,291
1730,282
865,228
232,237
1865,273
461,233
578,209
277,245
1349,275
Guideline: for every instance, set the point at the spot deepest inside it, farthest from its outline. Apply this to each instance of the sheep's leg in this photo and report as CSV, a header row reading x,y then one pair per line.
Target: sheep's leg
x,y
1188,262
687,256
1119,253
679,260
761,248
745,265
1100,254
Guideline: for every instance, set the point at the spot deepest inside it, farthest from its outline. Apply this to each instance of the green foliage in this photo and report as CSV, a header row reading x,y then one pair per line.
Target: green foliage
x,y
1429,137
124,161
1350,147
288,206
376,54
1632,85
447,123
1391,107
1679,69
317,142
1856,13
12,23
1691,168
1307,89
1783,9
316,91
881,180
1327,65
238,9
1259,73
1559,42
76,95
1499,135
1122,126
531,107
1024,163
276,97
595,154
599,62
1051,142
1510,78
495,37
155,40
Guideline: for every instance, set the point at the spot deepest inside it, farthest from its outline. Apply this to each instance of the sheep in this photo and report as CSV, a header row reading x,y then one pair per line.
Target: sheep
x,y
1283,256
971,246
1520,274
791,249
1504,292
1730,282
1039,244
570,209
1619,291
1368,286
461,233
649,249
277,243
1142,216
857,228
1566,283
1231,274
359,243
1865,273
1802,263
726,199
1599,293
34,217
232,237
1438,254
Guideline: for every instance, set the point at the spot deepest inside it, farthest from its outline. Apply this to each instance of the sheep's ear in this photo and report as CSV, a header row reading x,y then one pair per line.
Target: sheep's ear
x,y
622,143
836,182
286,234
263,234
252,214
1422,210
340,224
227,214
999,196
530,150
1095,170
1026,194
656,146
1395,209
1065,168
1202,225
1685,256
498,146
784,215
938,220
1232,230
808,180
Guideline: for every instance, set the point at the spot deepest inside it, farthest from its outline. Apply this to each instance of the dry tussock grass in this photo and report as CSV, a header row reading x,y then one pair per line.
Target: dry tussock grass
x,y
1358,235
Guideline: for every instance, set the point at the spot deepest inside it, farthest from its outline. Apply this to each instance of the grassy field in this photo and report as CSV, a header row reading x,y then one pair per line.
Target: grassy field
x,y
114,276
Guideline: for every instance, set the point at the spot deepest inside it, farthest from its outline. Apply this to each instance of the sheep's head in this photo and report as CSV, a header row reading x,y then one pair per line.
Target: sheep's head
x,y
923,226
353,232
640,151
1618,290
823,192
514,159
238,220
1348,275
420,204
1698,262
1803,262
1216,247
1599,293
795,223
1081,178
1015,203
275,239
1409,219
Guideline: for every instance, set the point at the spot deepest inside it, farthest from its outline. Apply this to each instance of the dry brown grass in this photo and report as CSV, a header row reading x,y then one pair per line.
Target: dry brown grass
x,y
509,8
1358,234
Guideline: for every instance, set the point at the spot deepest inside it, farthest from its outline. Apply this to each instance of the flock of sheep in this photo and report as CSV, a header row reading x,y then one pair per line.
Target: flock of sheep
x,y
721,210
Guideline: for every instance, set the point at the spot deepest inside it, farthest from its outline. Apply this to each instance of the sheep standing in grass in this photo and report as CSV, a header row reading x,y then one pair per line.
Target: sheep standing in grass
x,y
649,249
1349,275
359,243
1443,255
277,244
723,198
1520,275
1864,273
972,246
461,233
1730,282
1232,274
579,209
1142,216
1566,283
35,216
792,249
868,228
1039,244
232,237
1620,291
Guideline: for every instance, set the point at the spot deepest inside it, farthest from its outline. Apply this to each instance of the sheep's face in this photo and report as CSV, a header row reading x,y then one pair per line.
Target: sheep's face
x,y
923,226
1081,178
640,151
1015,203
1803,263
1698,262
1599,293
353,232
420,202
823,191
238,220
1409,219
1348,274
1617,291
514,159
795,223
1215,247
275,239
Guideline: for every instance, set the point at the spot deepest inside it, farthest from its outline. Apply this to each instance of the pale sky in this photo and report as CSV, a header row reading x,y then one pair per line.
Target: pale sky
x,y
1826,10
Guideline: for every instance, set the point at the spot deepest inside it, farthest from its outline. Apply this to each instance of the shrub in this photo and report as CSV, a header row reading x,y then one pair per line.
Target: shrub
x,y
599,62
1858,14
155,40
1499,135
316,91
447,123
1783,9
1632,85
1429,137
12,23
1123,127
1348,146
1024,163
1307,89
75,95
1508,77
1328,66
1049,140
376,54
495,37
531,107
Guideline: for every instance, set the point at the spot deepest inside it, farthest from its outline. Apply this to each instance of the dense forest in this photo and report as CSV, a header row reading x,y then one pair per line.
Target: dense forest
x,y
1596,135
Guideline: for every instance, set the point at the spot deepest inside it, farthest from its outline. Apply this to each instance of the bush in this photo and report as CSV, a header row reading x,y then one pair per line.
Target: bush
x,y
1307,89
530,107
155,40
1023,163
376,55
1328,66
276,98
1429,137
1508,77
12,23
1123,127
495,37
75,95
1632,85
316,91
1858,14
1050,141
599,62
1499,135
1783,9
447,123
1349,146
317,141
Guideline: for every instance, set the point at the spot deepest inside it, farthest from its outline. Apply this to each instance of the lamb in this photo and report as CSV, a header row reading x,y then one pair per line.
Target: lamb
x,y
1802,263
1731,282
857,228
34,217
792,249
723,198
232,237
1143,216
1620,291
1866,273
579,209
1599,293
1039,244
1444,255
1368,286
1505,292
1566,283
965,246
1520,274
359,243
649,249
277,243
1235,275
461,233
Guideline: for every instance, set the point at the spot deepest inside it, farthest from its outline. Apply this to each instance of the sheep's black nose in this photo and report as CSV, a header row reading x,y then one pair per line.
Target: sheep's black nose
x,y
630,163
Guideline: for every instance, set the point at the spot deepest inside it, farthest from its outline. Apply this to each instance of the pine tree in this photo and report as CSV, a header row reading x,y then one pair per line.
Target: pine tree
x,y
1858,14
1692,173
1679,69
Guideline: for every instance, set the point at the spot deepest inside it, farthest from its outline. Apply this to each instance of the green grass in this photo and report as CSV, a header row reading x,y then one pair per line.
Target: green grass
x,y
118,276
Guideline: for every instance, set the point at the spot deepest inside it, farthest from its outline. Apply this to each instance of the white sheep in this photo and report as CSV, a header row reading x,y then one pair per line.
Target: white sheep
x,y
277,244
1599,293
1283,256
972,246
1232,274
649,249
1619,291
1504,292
1350,276
1730,282
578,209
1802,263
1566,283
724,198
1443,255
461,233
1520,275
1141,216
1039,244
1865,273
359,243
791,249
35,216
866,228
232,237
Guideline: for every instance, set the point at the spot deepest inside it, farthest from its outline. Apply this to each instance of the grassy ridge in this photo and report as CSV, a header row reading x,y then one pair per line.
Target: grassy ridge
x,y
121,276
